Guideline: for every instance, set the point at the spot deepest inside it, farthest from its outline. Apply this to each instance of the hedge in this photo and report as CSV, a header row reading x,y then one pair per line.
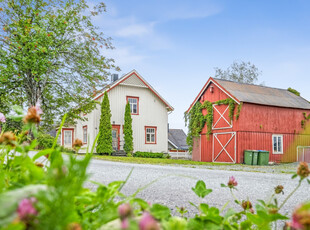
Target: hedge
x,y
148,155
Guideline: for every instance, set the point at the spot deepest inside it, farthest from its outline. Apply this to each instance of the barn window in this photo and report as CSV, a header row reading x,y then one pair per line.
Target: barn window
x,y
150,135
277,144
134,105
85,134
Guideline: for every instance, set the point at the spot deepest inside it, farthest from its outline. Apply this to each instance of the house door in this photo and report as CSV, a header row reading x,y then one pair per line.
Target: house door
x,y
224,147
68,138
115,137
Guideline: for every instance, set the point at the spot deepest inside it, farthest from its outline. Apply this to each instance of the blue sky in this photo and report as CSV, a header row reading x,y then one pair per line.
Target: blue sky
x,y
175,45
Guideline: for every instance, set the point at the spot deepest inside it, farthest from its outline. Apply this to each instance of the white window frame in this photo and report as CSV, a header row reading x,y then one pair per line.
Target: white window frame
x,y
131,104
84,137
65,140
59,138
277,136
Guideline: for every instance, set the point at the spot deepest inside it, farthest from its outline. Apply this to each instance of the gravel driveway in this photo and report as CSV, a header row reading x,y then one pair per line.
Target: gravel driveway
x,y
174,184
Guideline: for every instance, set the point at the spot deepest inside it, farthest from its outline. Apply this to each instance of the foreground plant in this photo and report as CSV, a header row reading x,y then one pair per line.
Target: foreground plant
x,y
46,191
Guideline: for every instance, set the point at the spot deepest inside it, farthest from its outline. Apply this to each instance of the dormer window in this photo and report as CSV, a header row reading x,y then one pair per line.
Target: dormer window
x,y
134,105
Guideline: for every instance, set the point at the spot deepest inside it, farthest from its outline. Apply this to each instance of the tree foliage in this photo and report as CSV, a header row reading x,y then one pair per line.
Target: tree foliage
x,y
104,143
294,91
243,72
128,146
51,52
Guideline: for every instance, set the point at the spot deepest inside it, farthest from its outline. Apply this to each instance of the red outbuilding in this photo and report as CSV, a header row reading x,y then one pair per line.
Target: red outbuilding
x,y
263,118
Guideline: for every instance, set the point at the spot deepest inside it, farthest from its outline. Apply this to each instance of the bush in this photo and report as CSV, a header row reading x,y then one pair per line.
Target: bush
x,y
167,156
148,155
45,141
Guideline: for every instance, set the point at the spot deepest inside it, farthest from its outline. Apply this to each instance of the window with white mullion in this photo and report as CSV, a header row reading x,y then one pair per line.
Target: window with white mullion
x,y
85,134
150,135
277,143
133,103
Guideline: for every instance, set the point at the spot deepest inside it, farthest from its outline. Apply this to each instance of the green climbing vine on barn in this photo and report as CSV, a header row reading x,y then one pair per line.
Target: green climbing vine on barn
x,y
239,110
195,120
303,122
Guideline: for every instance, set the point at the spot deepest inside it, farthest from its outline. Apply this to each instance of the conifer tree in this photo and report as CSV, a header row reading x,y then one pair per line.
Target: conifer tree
x,y
104,143
128,146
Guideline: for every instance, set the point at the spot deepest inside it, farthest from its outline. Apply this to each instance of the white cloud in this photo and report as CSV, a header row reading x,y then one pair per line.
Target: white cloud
x,y
191,11
133,30
125,57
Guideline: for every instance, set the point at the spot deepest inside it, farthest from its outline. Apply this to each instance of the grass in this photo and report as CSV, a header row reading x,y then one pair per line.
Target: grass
x,y
279,168
155,161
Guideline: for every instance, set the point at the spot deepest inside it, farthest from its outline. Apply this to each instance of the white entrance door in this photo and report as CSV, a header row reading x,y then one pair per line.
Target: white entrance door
x,y
68,138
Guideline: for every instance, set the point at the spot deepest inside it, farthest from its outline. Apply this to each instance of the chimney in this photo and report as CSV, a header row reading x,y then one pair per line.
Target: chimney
x,y
114,77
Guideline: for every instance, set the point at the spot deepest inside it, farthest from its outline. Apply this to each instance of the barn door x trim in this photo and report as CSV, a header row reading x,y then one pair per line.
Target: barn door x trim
x,y
233,136
230,125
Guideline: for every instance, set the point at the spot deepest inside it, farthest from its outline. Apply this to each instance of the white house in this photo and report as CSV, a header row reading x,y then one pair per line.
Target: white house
x,y
149,112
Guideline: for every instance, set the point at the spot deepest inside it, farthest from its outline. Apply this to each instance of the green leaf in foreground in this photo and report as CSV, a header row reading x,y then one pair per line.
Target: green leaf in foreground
x,y
201,190
160,211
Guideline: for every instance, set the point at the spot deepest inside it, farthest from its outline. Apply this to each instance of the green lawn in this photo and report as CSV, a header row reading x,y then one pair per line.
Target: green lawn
x,y
279,168
154,161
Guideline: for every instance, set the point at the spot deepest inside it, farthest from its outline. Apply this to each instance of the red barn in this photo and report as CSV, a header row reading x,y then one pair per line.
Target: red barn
x,y
264,118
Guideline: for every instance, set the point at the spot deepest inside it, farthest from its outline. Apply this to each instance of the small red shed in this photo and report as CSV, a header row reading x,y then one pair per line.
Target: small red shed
x,y
263,118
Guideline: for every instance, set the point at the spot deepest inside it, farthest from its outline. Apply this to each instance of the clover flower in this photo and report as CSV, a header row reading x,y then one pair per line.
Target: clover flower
x,y
247,205
301,217
2,118
77,144
148,222
303,170
8,138
279,189
26,209
124,211
232,182
32,116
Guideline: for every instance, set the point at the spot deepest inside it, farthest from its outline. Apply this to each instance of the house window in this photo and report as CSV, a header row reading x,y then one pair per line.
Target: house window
x,y
59,138
134,105
85,134
277,144
150,135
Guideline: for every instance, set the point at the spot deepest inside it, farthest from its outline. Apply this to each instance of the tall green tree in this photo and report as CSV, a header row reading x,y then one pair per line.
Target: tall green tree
x,y
242,72
50,51
128,146
104,143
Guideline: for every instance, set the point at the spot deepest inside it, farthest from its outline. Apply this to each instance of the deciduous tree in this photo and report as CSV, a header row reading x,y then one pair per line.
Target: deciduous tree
x,y
243,72
294,91
50,51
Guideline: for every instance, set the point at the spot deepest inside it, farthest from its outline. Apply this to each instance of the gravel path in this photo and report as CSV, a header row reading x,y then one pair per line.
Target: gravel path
x,y
174,184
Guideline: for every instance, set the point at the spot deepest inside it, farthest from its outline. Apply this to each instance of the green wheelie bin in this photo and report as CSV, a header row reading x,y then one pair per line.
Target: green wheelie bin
x,y
250,157
255,157
263,157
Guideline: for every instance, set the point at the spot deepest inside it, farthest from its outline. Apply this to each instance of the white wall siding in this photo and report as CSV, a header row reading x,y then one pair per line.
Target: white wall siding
x,y
152,112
